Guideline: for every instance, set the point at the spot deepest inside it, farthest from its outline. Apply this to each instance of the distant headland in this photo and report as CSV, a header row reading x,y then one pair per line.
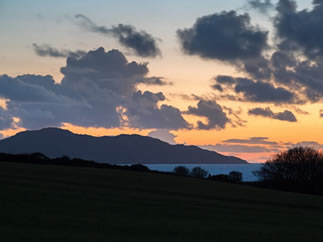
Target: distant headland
x,y
121,149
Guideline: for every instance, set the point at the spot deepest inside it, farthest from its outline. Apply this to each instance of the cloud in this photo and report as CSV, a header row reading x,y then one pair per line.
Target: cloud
x,y
262,92
46,50
300,75
223,36
185,97
143,112
217,118
266,112
155,80
251,140
98,89
262,6
302,28
255,91
142,43
299,110
288,71
5,120
298,62
224,148
164,135
313,144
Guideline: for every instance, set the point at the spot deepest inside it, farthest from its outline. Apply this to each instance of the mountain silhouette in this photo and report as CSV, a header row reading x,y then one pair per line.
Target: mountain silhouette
x,y
121,149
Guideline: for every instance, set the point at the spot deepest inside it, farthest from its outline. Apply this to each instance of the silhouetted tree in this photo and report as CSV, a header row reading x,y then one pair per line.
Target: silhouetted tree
x,y
139,167
235,176
181,171
198,172
299,168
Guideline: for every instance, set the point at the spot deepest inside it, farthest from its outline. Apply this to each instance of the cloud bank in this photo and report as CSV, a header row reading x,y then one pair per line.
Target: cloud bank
x,y
288,71
99,89
212,111
266,112
224,36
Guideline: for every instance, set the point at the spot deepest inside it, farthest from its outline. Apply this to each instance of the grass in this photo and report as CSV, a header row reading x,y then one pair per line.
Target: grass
x,y
52,203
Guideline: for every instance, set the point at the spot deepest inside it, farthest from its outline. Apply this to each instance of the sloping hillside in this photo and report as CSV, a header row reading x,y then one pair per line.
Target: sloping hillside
x,y
122,149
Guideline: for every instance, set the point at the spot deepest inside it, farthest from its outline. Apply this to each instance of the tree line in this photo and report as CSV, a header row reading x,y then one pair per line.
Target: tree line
x,y
232,177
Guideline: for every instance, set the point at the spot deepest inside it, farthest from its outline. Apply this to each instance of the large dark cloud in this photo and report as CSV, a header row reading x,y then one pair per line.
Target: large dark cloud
x,y
302,28
290,70
217,118
304,75
98,89
46,50
266,112
263,92
255,91
141,42
298,62
224,36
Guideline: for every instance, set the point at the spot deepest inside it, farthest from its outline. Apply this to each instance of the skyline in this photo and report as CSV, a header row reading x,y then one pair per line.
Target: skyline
x,y
237,77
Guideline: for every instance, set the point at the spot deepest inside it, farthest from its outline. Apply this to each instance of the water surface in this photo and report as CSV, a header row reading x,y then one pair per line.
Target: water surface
x,y
213,169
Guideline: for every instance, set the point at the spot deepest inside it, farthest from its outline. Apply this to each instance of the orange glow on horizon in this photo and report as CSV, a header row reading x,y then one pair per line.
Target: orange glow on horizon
x,y
95,131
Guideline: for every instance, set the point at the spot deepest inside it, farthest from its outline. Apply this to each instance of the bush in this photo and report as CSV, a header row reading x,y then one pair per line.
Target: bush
x,y
299,168
198,172
181,171
139,167
235,176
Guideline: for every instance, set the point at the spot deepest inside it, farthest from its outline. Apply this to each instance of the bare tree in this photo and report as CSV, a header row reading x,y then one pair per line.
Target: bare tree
x,y
181,171
299,168
199,172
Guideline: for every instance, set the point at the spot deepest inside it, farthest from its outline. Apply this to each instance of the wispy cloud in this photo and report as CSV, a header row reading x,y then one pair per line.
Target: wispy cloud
x,y
266,112
46,50
142,43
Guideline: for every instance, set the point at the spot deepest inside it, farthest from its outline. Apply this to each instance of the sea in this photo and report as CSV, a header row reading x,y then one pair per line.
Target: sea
x,y
214,169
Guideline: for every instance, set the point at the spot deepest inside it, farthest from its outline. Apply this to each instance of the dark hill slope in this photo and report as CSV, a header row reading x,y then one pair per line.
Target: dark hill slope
x,y
122,149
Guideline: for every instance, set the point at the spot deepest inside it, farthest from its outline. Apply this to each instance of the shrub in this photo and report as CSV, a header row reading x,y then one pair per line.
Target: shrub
x,y
139,167
198,172
181,171
299,168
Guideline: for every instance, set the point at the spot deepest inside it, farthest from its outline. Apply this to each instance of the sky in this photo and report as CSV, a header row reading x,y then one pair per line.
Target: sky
x,y
240,77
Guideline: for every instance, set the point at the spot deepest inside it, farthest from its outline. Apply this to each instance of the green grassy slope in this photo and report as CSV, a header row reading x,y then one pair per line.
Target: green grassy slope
x,y
52,203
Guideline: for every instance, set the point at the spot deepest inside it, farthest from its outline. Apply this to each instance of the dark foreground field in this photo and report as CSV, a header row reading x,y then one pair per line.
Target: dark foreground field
x,y
62,204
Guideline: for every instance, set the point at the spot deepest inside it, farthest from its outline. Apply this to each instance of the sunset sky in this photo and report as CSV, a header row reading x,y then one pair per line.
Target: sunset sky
x,y
239,77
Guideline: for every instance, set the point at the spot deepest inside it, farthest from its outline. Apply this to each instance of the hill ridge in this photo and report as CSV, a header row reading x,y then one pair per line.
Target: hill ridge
x,y
122,149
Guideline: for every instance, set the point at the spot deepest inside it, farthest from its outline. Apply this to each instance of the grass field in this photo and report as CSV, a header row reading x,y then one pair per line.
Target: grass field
x,y
62,204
